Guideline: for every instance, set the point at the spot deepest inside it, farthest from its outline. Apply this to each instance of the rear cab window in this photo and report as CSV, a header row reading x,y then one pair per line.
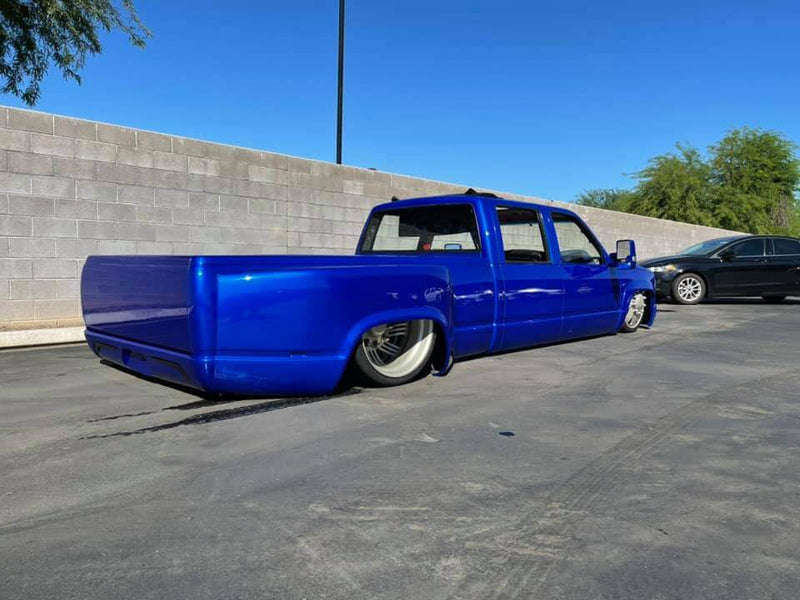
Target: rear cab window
x,y
522,234
422,230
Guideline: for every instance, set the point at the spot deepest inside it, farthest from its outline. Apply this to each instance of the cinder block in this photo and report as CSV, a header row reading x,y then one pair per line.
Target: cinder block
x,y
30,121
236,203
15,183
170,162
219,219
16,268
116,212
73,167
55,268
15,140
113,134
33,206
217,185
75,248
75,128
182,249
55,227
148,140
140,232
27,247
172,233
181,216
203,201
5,289
95,151
16,310
76,209
56,309
52,145
98,230
188,147
171,198
27,162
14,225
204,234
63,187
135,157
153,248
33,289
151,214
260,205
116,247
132,194
125,174
203,166
67,288
233,170
96,190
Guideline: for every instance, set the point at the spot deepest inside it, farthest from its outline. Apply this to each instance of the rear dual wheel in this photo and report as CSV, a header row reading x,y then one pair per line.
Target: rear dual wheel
x,y
395,353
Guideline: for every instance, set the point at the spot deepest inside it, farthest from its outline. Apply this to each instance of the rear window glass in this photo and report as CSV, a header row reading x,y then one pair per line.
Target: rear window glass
x,y
783,246
439,228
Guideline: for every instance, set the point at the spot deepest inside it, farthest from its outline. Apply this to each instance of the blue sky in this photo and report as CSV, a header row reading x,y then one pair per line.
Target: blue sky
x,y
541,98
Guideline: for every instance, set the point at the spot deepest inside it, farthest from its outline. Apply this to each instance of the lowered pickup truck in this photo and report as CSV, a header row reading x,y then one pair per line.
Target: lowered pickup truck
x,y
433,280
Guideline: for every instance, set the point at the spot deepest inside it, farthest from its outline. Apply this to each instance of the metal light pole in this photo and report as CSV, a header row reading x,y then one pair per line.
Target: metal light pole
x,y
341,85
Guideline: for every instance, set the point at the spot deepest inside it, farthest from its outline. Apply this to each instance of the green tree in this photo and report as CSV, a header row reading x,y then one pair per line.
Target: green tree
x,y
608,198
674,186
36,33
755,175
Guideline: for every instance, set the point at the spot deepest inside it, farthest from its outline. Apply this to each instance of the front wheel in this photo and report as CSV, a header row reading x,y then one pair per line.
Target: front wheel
x,y
635,314
395,353
688,289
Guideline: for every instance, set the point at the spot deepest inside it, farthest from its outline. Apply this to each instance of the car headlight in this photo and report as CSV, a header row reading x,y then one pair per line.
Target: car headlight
x,y
663,268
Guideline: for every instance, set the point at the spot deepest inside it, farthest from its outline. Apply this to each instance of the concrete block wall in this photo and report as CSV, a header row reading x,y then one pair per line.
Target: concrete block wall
x,y
70,188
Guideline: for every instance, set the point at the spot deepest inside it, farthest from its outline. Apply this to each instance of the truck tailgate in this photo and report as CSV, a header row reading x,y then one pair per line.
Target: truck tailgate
x,y
140,298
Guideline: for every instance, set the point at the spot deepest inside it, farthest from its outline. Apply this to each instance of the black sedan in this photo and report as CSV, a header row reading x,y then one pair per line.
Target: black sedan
x,y
746,265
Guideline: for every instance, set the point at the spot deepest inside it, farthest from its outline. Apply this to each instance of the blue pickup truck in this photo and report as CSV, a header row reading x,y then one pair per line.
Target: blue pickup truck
x,y
433,280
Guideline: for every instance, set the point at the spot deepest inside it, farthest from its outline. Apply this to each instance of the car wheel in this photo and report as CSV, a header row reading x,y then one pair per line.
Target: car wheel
x,y
688,289
774,299
395,353
635,314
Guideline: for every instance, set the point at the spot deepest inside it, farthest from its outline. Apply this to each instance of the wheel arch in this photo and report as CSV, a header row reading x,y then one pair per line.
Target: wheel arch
x,y
442,350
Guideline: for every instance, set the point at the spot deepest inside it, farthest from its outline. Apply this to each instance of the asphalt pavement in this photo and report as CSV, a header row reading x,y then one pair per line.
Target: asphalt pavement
x,y
656,465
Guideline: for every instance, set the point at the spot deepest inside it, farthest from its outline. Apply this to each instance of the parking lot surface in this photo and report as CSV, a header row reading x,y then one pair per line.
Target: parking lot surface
x,y
662,464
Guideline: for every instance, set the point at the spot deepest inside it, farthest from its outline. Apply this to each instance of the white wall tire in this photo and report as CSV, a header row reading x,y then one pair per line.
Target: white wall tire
x,y
688,289
637,306
395,353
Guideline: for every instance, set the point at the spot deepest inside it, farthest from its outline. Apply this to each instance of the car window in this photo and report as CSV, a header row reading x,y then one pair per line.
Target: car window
x,y
522,233
574,242
754,247
438,228
784,246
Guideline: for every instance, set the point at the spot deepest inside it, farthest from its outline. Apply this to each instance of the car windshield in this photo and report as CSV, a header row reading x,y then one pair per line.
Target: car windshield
x,y
706,248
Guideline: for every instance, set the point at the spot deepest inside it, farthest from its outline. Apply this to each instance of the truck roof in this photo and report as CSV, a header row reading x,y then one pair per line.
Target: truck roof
x,y
470,197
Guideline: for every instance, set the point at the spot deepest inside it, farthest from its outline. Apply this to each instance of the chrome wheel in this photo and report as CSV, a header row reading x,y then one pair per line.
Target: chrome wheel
x,y
398,350
635,314
690,289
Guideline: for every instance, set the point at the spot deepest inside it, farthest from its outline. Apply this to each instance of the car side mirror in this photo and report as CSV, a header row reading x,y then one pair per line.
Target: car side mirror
x,y
626,252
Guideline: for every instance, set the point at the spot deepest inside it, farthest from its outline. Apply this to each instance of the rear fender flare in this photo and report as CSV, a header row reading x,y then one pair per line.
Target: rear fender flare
x,y
442,363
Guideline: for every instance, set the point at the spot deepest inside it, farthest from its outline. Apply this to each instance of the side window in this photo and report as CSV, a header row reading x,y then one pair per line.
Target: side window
x,y
435,228
748,248
784,246
575,244
523,236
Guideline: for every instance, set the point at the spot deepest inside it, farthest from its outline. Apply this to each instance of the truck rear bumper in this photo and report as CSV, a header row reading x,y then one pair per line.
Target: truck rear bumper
x,y
242,375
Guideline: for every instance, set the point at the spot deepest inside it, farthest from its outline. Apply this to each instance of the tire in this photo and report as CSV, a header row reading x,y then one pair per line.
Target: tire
x,y
688,289
774,299
635,315
395,353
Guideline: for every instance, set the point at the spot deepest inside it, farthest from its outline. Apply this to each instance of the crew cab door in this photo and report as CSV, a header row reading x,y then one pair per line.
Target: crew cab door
x,y
531,283
592,293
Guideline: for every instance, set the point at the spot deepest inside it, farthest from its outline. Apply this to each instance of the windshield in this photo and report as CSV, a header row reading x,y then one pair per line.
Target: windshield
x,y
707,247
423,229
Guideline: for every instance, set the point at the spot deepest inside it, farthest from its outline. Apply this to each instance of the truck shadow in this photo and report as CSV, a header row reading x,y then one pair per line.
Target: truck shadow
x,y
260,405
